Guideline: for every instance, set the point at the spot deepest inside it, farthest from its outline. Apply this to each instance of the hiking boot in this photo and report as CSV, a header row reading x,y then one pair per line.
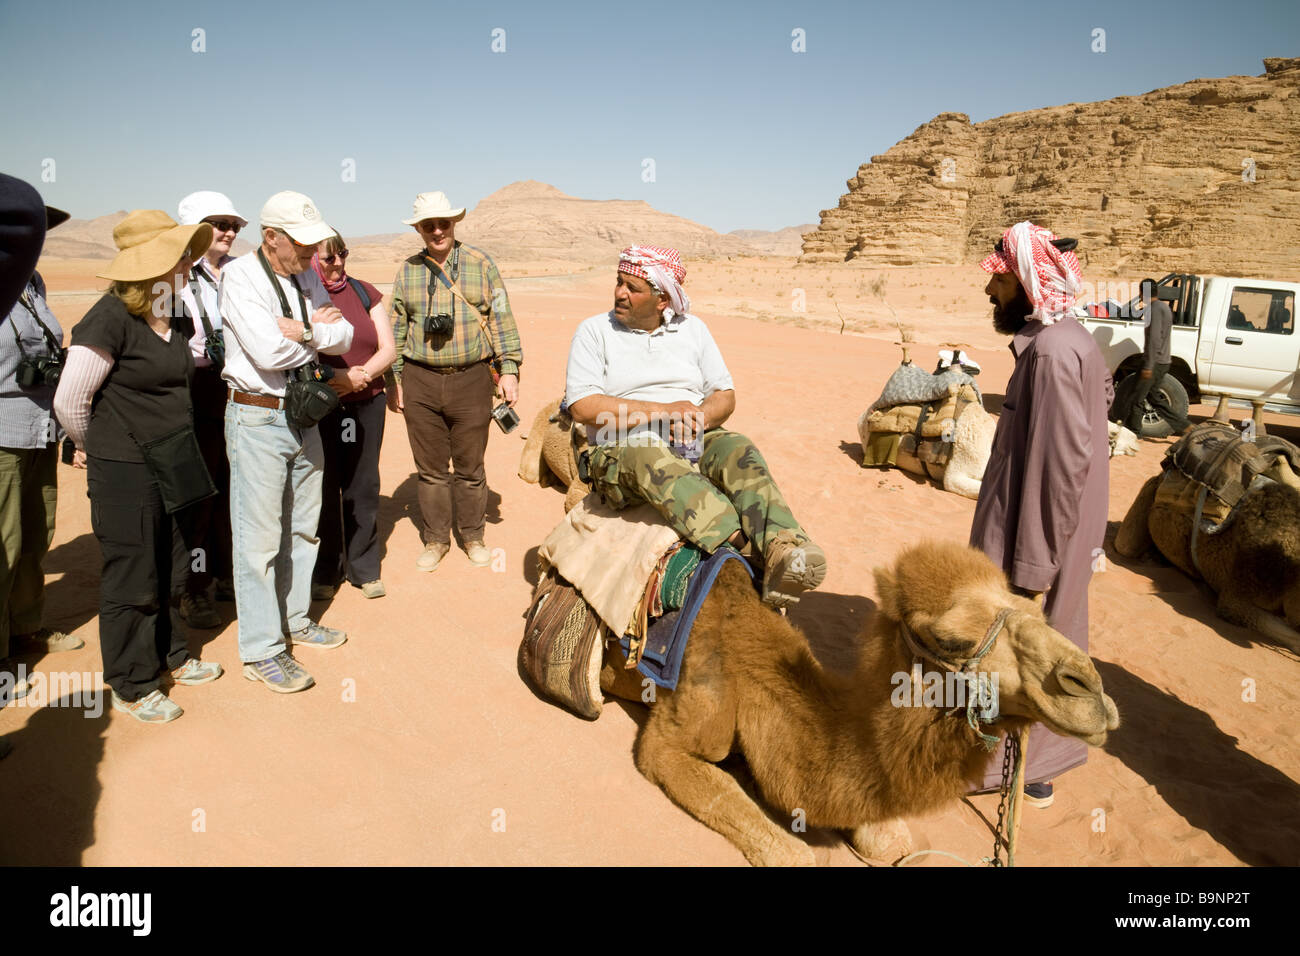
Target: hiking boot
x,y
50,640
479,555
431,556
793,564
373,589
281,673
1039,795
323,592
197,611
195,671
318,635
154,707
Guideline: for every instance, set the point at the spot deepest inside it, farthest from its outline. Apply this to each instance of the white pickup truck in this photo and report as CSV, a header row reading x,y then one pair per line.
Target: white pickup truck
x,y
1234,339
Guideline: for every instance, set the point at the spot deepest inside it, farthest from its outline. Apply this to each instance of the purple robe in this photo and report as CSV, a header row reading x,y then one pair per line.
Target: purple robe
x,y
1042,509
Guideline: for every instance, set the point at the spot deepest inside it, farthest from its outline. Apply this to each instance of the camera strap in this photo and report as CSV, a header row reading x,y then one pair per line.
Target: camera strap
x,y
279,293
56,347
198,301
453,287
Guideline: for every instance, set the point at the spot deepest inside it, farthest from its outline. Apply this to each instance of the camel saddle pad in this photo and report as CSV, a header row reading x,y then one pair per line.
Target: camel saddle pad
x,y
1216,456
609,555
563,646
912,385
934,418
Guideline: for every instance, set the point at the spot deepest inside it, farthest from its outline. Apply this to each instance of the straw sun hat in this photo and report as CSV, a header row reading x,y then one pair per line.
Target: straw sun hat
x,y
151,243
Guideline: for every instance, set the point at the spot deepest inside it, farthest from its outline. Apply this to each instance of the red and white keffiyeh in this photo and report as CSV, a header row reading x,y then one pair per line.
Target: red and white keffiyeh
x,y
663,269
1052,279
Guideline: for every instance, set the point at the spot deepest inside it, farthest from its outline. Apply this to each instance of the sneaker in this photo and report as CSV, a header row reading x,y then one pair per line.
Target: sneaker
x,y
431,556
12,687
153,708
50,640
479,555
197,611
1039,795
793,565
281,673
225,589
323,592
195,671
373,589
318,635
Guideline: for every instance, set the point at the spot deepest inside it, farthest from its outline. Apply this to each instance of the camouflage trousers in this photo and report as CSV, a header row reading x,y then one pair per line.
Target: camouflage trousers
x,y
729,490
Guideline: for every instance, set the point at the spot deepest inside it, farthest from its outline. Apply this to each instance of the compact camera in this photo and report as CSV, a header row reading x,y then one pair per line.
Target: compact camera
x,y
440,324
35,372
506,417
312,373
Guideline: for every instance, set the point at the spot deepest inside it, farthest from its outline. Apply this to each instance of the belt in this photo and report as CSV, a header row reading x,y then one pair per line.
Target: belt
x,y
261,401
448,369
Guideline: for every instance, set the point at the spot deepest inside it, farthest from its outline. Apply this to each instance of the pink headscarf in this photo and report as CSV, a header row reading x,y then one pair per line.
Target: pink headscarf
x,y
329,286
662,268
1052,279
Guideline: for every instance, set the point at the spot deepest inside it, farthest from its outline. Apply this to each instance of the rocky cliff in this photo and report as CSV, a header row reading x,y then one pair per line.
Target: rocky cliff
x,y
1200,177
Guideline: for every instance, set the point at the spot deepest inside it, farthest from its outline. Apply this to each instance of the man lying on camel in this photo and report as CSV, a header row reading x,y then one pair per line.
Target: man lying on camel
x,y
649,383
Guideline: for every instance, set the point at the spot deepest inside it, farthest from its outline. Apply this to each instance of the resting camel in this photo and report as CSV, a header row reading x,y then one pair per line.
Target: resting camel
x,y
832,744
550,455
1252,563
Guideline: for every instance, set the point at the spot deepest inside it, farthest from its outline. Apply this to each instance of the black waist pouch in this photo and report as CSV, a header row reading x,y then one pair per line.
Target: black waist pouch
x,y
177,465
306,403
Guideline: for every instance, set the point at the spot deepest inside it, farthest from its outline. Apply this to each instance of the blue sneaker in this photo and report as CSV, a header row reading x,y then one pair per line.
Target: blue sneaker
x,y
281,673
1039,795
318,635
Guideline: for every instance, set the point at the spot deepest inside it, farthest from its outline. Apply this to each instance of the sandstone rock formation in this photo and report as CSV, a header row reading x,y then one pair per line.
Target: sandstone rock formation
x,y
1154,183
781,242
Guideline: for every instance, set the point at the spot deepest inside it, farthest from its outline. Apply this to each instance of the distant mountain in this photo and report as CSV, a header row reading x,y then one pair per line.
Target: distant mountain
x,y
535,221
93,239
782,242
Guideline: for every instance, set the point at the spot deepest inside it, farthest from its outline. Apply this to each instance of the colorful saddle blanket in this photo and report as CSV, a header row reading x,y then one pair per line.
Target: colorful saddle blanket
x,y
665,644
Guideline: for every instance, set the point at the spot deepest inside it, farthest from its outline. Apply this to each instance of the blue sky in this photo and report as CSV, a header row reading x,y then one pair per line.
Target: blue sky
x,y
744,132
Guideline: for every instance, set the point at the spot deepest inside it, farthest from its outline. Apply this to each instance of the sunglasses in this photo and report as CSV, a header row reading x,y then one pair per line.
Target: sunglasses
x,y
340,256
224,225
428,225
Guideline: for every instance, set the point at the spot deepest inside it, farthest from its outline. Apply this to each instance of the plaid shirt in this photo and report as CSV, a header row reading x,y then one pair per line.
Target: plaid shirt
x,y
480,283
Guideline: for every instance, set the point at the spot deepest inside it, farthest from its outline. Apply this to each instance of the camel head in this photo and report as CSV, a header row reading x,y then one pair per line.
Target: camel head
x,y
949,597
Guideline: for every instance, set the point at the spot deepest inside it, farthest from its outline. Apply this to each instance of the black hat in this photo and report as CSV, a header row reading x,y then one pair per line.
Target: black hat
x,y
55,217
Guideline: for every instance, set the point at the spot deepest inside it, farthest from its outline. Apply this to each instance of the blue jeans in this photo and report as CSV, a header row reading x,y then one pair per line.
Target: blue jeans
x,y
275,498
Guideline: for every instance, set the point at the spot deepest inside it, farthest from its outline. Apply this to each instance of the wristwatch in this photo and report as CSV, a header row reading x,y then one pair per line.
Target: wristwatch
x,y
306,333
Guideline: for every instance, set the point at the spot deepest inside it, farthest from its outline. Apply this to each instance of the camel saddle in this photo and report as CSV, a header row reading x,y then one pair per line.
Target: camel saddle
x,y
1214,457
923,431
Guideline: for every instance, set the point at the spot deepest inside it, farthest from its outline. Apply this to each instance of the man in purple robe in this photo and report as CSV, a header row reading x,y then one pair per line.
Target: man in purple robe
x,y
1042,508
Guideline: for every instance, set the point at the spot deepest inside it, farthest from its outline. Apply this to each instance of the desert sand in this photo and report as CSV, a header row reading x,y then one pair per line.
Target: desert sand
x,y
421,744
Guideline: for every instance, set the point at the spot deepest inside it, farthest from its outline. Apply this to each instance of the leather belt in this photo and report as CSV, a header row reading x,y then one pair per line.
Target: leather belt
x,y
448,369
261,401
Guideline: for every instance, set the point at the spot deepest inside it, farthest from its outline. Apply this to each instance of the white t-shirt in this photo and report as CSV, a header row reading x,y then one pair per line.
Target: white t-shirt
x,y
678,361
257,354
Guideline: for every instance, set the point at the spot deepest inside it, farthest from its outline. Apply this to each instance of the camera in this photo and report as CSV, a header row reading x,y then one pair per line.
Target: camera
x,y
506,417
440,324
214,346
313,372
36,372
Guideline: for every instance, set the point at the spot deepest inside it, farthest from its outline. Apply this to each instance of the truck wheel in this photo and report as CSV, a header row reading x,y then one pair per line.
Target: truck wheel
x,y
1154,424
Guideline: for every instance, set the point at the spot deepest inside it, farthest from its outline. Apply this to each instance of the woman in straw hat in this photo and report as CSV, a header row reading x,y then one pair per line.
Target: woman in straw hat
x,y
131,356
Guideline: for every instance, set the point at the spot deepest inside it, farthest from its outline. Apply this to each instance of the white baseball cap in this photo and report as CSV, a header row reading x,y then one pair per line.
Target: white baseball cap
x,y
204,204
297,215
434,206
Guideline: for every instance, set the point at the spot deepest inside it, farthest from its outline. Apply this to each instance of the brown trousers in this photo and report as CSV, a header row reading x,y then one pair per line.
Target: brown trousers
x,y
447,418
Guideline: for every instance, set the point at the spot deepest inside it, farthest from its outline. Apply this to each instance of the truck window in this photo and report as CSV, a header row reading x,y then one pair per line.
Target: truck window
x,y
1262,310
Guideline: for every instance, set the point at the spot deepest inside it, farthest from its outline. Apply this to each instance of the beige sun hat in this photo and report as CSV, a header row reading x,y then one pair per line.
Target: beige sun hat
x,y
151,243
434,206
297,215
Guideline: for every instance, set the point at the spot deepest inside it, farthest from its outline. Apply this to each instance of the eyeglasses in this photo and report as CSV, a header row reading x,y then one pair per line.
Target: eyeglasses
x,y
341,256
224,225
300,245
428,225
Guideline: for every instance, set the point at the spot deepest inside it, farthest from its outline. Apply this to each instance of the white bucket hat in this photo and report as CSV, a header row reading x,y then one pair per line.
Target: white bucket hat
x,y
296,214
434,206
204,204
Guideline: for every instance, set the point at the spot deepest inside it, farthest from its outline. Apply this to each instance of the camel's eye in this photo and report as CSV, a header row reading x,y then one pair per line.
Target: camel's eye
x,y
952,643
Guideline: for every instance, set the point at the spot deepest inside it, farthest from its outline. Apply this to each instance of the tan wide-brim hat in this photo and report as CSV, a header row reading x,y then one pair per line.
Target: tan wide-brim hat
x,y
152,243
434,206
